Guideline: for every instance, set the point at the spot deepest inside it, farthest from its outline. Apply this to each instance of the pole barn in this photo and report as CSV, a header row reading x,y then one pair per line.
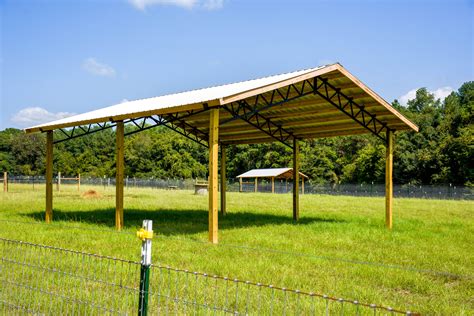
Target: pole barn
x,y
319,102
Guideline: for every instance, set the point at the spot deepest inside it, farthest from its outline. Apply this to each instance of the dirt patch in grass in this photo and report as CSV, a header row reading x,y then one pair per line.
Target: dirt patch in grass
x,y
91,194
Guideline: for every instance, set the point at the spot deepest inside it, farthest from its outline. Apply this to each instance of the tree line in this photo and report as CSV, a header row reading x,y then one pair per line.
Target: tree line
x,y
442,151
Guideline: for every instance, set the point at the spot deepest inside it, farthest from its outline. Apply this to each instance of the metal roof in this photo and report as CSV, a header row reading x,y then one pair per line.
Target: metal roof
x,y
135,108
309,115
269,173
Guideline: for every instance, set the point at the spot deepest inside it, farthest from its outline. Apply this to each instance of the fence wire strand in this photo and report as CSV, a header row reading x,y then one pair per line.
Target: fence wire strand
x,y
45,280
425,191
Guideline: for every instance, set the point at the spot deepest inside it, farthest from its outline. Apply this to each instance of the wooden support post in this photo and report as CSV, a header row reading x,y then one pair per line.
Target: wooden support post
x,y
58,184
223,180
255,189
302,185
5,181
296,179
273,184
79,182
213,171
119,175
389,179
240,184
49,176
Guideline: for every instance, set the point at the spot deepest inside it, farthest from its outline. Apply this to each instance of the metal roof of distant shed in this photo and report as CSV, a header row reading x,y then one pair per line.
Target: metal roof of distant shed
x,y
308,116
270,173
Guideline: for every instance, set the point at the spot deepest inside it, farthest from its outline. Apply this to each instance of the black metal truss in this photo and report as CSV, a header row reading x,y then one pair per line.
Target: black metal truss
x,y
173,121
317,85
259,121
78,131
348,106
250,112
176,123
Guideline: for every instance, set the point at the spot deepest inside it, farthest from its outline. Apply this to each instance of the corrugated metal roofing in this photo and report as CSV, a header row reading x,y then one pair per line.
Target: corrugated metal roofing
x,y
267,173
198,96
308,116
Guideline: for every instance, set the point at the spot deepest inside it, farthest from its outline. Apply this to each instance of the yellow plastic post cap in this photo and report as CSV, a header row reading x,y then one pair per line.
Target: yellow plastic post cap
x,y
144,234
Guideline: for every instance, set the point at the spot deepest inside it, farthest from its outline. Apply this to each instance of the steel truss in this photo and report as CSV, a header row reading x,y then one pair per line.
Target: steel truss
x,y
250,112
174,121
78,131
349,107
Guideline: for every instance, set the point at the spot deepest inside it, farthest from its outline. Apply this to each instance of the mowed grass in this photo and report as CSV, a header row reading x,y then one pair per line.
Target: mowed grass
x,y
340,246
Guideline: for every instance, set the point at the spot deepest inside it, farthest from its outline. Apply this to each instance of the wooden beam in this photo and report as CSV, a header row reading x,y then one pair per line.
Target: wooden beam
x,y
213,171
302,185
223,180
296,179
79,182
389,180
240,184
119,134
273,184
49,176
5,181
256,185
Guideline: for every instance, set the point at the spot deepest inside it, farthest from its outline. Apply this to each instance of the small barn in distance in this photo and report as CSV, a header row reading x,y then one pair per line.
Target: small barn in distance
x,y
270,173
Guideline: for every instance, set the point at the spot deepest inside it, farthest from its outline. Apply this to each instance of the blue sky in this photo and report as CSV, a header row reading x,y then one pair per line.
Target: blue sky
x,y
68,56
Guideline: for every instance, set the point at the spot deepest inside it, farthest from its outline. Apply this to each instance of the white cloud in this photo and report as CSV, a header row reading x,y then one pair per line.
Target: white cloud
x,y
213,4
440,93
94,67
410,95
187,4
36,115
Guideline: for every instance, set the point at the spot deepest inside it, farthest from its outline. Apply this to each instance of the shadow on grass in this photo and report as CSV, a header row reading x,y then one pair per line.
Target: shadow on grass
x,y
171,222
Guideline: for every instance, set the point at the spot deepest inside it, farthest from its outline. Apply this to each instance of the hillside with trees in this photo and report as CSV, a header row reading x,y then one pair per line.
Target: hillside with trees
x,y
442,152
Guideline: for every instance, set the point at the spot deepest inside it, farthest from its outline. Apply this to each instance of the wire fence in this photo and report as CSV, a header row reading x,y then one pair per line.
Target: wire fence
x,y
38,279
448,191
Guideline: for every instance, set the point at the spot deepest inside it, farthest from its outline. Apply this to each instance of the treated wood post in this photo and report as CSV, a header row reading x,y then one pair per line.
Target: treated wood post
x,y
240,184
302,185
273,184
389,179
223,180
296,179
58,184
5,181
213,171
79,182
119,133
49,176
256,185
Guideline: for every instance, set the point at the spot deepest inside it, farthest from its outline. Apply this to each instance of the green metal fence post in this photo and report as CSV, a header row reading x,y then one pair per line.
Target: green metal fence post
x,y
145,234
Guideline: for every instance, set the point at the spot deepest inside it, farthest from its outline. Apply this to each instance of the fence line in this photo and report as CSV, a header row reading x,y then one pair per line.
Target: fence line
x,y
266,250
400,190
41,279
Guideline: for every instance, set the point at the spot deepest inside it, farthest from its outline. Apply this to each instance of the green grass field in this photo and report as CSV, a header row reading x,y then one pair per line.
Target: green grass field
x,y
339,247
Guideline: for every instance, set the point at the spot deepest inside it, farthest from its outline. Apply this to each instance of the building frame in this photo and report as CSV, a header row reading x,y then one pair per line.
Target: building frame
x,y
320,102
